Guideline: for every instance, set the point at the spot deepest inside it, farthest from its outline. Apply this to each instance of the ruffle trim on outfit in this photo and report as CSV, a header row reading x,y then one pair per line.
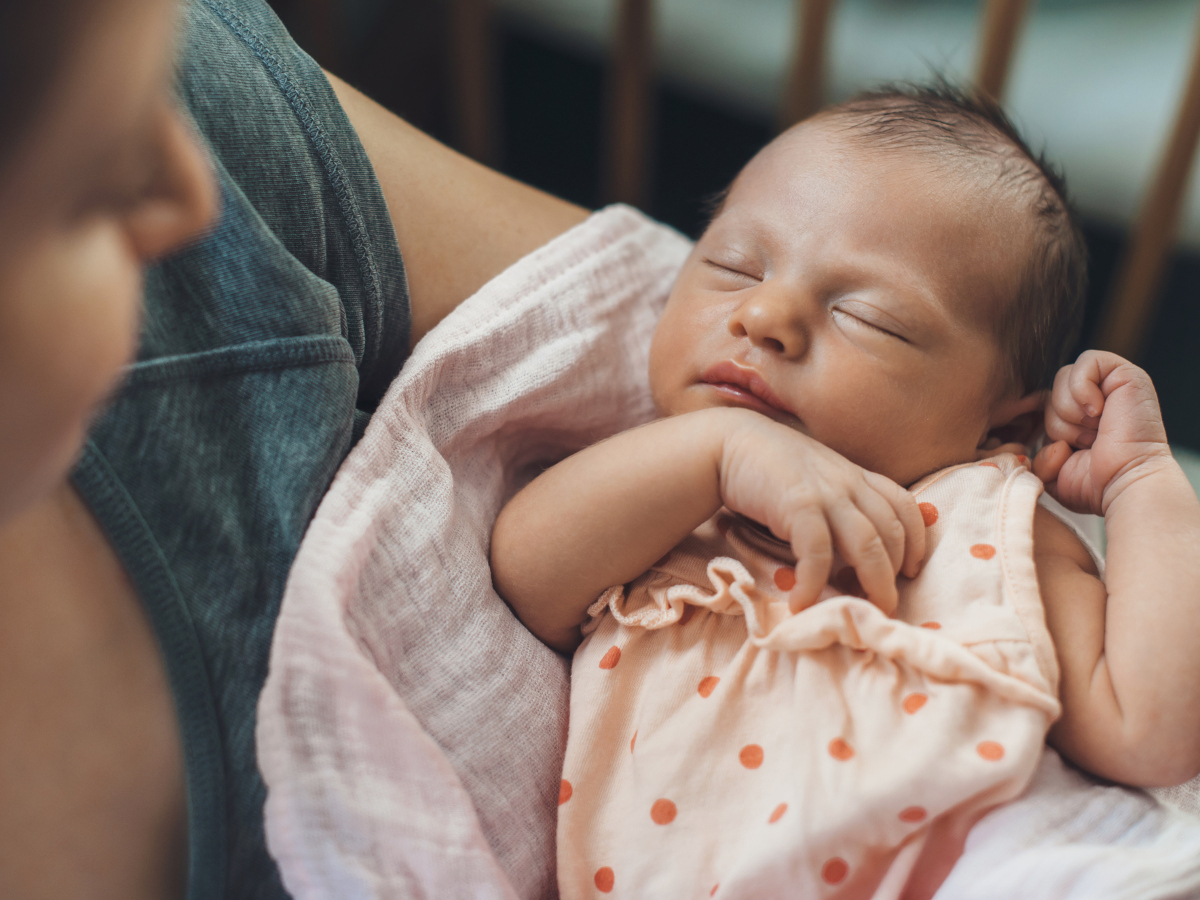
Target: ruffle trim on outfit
x,y
845,620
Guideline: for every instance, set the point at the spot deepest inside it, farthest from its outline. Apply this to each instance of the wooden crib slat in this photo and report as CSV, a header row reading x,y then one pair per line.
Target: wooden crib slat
x,y
803,91
1131,304
629,103
471,62
1002,21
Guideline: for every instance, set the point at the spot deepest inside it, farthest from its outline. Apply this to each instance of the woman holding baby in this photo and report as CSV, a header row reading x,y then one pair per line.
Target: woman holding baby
x,y
242,248
236,238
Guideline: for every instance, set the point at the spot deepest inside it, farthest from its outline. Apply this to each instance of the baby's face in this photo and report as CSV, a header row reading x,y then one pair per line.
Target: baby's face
x,y
850,292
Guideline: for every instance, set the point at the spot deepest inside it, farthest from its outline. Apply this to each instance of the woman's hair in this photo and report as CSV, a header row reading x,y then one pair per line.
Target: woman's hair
x,y
35,38
1040,326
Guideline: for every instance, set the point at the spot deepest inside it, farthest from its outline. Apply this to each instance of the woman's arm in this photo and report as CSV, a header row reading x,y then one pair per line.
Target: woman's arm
x,y
1128,646
604,515
458,223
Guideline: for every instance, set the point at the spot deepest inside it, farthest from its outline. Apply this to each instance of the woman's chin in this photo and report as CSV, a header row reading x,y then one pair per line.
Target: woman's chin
x,y
32,473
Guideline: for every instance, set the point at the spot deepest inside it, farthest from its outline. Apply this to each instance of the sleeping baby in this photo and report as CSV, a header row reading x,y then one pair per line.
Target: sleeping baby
x,y
826,623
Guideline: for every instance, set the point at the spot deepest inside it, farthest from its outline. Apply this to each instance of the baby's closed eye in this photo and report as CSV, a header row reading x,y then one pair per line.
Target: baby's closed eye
x,y
735,270
863,320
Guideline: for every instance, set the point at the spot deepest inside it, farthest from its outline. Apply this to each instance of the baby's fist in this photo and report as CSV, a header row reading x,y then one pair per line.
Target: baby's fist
x,y
1104,426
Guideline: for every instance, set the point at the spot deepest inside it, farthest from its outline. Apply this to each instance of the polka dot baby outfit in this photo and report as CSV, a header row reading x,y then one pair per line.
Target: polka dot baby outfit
x,y
720,746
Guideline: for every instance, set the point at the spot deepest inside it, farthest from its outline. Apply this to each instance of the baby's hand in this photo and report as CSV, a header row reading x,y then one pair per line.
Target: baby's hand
x,y
1103,419
816,499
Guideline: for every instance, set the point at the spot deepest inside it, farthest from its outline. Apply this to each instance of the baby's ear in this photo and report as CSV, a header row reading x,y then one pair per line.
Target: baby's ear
x,y
1018,420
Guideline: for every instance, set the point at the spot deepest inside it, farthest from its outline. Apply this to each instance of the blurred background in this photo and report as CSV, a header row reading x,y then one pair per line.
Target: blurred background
x,y
660,102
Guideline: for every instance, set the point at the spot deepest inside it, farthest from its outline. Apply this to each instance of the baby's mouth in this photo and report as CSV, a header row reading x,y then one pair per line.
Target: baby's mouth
x,y
745,387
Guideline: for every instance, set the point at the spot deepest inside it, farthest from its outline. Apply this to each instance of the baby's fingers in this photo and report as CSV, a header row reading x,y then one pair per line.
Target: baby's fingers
x,y
1050,460
1084,383
885,521
904,507
1076,397
1077,435
1074,406
813,546
864,550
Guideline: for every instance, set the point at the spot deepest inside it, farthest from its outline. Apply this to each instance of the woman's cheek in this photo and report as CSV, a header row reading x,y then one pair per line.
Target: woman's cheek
x,y
68,325
98,313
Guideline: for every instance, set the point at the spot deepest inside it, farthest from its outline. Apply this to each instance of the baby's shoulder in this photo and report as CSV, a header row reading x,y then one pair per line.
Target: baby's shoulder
x,y
1055,540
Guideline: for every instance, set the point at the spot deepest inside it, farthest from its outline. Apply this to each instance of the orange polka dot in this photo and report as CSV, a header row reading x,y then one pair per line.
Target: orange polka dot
x,y
707,685
777,813
604,879
785,578
990,751
632,741
686,615
846,581
929,513
983,551
835,870
839,749
989,465
751,756
564,792
1023,459
713,892
913,814
913,702
610,659
663,811
932,626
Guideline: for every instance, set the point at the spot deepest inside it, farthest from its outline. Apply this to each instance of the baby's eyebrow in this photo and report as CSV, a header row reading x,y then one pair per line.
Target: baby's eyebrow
x,y
730,254
900,280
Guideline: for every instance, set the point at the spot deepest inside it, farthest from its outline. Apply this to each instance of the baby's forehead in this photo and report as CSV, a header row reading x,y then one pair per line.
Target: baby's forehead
x,y
820,176
984,165
888,212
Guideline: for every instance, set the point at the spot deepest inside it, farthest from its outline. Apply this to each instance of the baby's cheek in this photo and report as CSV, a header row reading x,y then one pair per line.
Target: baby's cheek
x,y
673,366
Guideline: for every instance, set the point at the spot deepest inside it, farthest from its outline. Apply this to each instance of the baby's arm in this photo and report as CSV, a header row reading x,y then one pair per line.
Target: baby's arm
x,y
604,515
1128,646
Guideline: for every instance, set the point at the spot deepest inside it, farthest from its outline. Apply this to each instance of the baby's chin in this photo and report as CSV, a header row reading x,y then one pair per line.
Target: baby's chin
x,y
910,468
906,469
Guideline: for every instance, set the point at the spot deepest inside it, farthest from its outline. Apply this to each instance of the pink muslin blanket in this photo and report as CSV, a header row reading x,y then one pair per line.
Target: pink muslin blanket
x,y
410,731
721,746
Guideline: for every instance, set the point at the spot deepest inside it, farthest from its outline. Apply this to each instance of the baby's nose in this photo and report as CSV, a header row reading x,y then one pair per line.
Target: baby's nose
x,y
772,320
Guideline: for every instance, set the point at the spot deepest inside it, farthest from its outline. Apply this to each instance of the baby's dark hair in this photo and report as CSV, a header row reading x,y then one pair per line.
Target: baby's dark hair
x,y
1042,323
